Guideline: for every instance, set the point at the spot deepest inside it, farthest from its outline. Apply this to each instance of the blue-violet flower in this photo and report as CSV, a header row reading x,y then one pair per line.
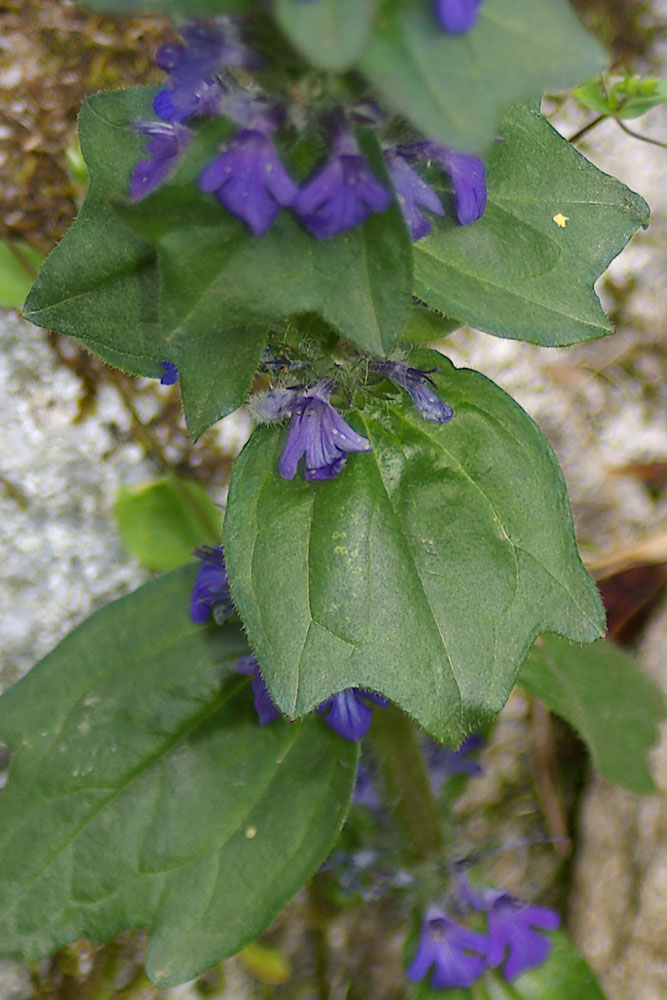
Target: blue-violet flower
x,y
211,594
193,87
456,953
343,194
170,376
456,16
348,713
262,700
166,142
319,433
420,387
512,934
249,179
412,193
468,175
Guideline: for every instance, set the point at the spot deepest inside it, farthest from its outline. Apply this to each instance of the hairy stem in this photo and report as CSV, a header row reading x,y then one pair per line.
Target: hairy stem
x,y
406,778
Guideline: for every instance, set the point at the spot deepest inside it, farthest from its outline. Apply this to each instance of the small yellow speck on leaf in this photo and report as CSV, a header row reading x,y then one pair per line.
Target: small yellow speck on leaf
x,y
251,832
561,220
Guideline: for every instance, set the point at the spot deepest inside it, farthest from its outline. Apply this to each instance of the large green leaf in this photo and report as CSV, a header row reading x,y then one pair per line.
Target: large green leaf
x,y
456,88
564,976
211,266
517,272
606,697
330,33
100,284
144,793
424,571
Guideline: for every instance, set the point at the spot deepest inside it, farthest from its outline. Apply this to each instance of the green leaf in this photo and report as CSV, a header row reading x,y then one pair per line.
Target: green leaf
x,y
100,284
211,266
455,88
424,571
17,260
564,976
161,523
606,697
647,94
330,33
144,793
526,269
215,373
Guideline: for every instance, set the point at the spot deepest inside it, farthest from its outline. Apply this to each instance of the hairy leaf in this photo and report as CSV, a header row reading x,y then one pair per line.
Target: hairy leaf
x,y
144,793
424,571
606,697
526,269
100,284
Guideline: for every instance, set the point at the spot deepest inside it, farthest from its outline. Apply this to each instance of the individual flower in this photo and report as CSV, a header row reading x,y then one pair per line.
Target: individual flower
x,y
262,700
412,193
467,173
343,194
193,87
170,376
456,16
166,142
512,933
420,387
211,594
348,713
443,762
249,179
319,433
455,953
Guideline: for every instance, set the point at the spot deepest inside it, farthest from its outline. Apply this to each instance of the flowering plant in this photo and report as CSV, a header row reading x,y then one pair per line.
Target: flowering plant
x,y
317,191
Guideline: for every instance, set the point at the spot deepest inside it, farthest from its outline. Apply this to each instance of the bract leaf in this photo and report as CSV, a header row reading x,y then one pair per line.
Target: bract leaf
x,y
606,697
424,571
144,794
553,223
455,88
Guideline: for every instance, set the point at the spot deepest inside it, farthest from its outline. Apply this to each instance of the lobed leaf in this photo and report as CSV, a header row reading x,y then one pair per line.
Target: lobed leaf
x,y
526,269
424,571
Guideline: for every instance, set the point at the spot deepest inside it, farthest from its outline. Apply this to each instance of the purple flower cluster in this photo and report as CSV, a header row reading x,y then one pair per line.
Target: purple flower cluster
x,y
348,713
248,177
459,956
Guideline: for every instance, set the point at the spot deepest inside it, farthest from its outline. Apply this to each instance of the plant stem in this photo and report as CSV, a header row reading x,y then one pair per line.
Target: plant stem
x,y
406,778
587,128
